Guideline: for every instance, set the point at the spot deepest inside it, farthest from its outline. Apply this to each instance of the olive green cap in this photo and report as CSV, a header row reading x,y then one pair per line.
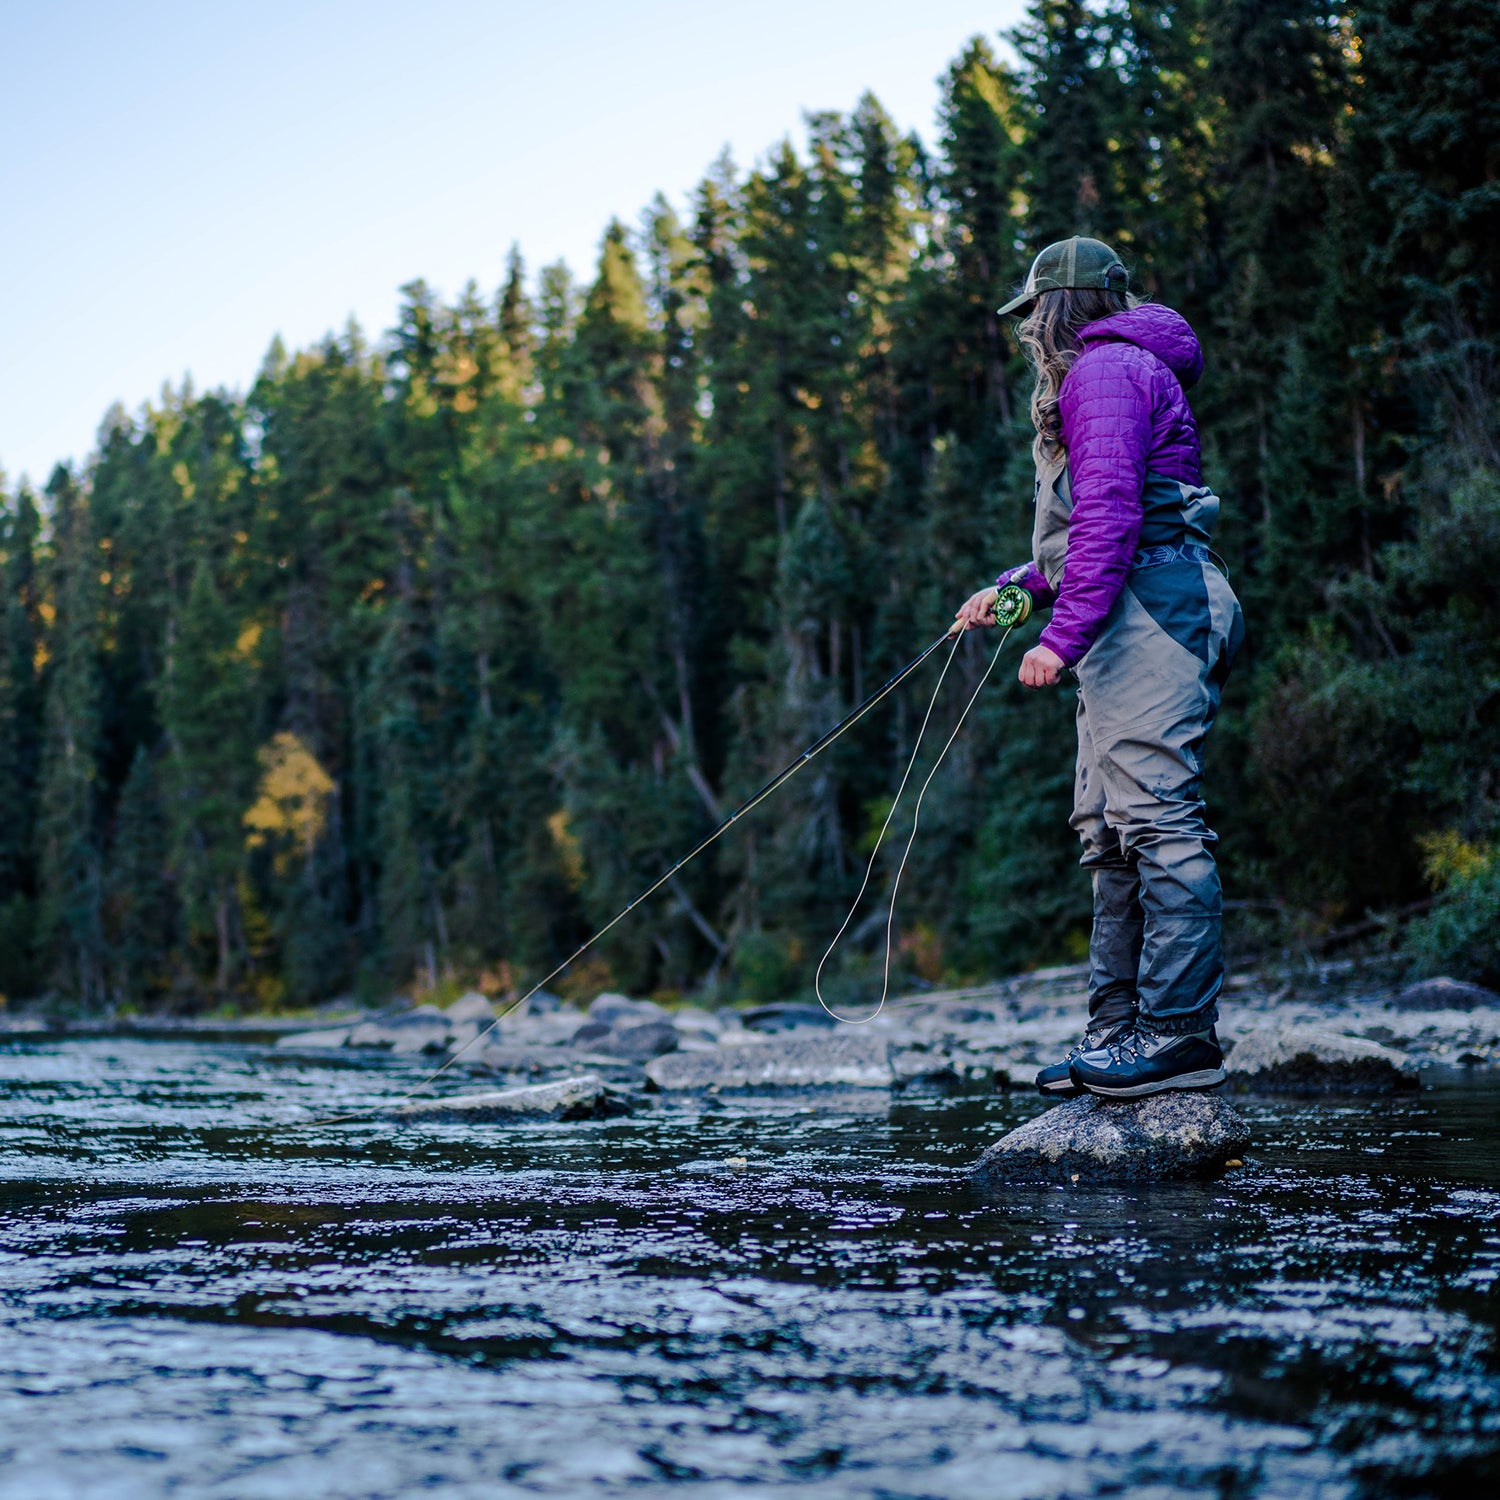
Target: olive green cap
x,y
1069,264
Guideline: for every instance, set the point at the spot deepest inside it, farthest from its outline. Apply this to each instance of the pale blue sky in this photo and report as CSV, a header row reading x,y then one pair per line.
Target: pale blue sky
x,y
179,182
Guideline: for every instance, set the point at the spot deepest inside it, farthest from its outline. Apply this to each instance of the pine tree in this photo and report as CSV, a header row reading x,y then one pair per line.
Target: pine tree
x,y
1074,95
139,908
71,871
208,710
958,380
20,741
1276,68
1431,106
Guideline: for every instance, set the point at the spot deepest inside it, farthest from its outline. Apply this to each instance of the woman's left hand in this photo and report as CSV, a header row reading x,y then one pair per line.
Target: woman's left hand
x,y
1041,667
976,612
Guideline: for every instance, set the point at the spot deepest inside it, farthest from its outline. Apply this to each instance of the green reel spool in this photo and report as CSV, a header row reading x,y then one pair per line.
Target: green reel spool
x,y
1012,606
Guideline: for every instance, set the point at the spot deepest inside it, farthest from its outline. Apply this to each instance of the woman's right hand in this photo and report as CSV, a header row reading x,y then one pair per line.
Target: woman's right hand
x,y
978,610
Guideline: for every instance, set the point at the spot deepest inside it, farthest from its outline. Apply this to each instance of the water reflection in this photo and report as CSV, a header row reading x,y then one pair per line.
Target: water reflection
x,y
202,1291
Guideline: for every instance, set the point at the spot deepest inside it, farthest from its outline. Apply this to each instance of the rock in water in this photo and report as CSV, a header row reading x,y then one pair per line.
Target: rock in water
x,y
470,1007
1445,994
843,1060
786,1016
641,1043
334,1037
419,1030
1164,1136
626,1039
1309,1060
610,1009
582,1098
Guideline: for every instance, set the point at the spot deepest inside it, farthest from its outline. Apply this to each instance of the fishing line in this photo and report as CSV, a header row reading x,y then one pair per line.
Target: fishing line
x,y
890,920
774,784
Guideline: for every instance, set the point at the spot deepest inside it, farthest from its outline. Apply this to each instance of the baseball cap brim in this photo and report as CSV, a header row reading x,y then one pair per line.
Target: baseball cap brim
x,y
1022,304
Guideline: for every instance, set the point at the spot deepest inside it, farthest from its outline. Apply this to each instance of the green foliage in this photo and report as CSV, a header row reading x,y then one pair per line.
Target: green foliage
x,y
139,900
529,594
1461,936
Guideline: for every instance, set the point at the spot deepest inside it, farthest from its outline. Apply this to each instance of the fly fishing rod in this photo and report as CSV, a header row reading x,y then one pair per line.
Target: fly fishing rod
x,y
1011,607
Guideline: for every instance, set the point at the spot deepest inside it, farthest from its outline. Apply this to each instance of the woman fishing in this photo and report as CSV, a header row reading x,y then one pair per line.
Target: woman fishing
x,y
1149,626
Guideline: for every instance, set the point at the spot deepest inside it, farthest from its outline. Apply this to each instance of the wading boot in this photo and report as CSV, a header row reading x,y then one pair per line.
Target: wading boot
x,y
1143,1061
1055,1081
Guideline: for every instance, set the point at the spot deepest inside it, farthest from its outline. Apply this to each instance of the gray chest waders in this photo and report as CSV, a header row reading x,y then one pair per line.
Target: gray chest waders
x,y
1148,691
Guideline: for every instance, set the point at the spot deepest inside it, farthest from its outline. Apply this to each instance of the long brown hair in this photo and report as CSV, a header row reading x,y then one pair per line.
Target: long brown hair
x,y
1049,338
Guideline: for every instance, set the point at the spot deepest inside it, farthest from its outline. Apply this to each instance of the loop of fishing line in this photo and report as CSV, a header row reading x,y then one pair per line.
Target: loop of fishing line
x,y
885,984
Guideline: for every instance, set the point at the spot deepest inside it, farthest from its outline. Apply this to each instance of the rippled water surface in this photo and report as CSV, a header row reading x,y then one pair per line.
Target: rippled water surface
x,y
204,1295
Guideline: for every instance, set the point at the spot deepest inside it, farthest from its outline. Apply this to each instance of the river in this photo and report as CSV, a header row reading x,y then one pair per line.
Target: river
x,y
206,1295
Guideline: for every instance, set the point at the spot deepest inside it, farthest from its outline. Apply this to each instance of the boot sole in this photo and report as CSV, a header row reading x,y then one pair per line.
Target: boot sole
x,y
1064,1090
1207,1078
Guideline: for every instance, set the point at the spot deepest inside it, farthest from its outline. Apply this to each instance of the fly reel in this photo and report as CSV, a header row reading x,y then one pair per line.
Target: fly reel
x,y
1012,606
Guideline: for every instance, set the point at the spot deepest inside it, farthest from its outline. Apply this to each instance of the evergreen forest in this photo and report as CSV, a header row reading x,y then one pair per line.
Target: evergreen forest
x,y
410,665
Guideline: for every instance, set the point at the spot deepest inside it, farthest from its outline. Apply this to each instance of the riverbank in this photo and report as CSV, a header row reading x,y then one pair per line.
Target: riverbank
x,y
1343,1026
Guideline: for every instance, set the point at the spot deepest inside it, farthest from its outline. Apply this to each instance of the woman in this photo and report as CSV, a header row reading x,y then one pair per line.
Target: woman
x,y
1149,626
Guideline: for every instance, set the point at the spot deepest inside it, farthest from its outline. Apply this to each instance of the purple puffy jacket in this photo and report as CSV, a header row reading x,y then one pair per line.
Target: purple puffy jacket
x,y
1124,413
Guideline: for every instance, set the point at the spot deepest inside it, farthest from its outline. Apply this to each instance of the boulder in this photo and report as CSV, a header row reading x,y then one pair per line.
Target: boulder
x,y
608,1009
21,1025
787,1016
583,1098
471,1007
1310,1060
1158,1138
633,1041
641,1043
332,1037
466,1033
420,1030
592,1033
499,1056
697,1028
848,1059
1444,994
917,1065
1014,1072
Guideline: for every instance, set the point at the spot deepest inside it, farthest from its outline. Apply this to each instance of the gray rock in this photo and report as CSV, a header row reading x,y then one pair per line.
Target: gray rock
x,y
21,1025
626,1038
640,1043
786,1016
592,1033
466,1033
1310,1060
332,1037
848,1059
582,1098
471,1007
698,1018
697,1028
1444,994
420,1030
521,1061
1014,1073
549,1029
1161,1137
921,1066
610,1008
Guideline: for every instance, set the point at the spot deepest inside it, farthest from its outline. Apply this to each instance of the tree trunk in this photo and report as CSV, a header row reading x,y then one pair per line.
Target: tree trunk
x,y
221,931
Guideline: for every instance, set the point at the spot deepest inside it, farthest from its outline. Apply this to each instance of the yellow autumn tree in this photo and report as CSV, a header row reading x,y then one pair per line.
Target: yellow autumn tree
x,y
291,800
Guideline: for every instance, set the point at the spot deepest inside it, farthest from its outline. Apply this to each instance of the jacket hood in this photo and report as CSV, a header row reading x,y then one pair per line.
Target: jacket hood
x,y
1156,329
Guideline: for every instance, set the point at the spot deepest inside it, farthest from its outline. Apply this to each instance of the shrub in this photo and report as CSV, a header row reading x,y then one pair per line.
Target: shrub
x,y
1461,935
